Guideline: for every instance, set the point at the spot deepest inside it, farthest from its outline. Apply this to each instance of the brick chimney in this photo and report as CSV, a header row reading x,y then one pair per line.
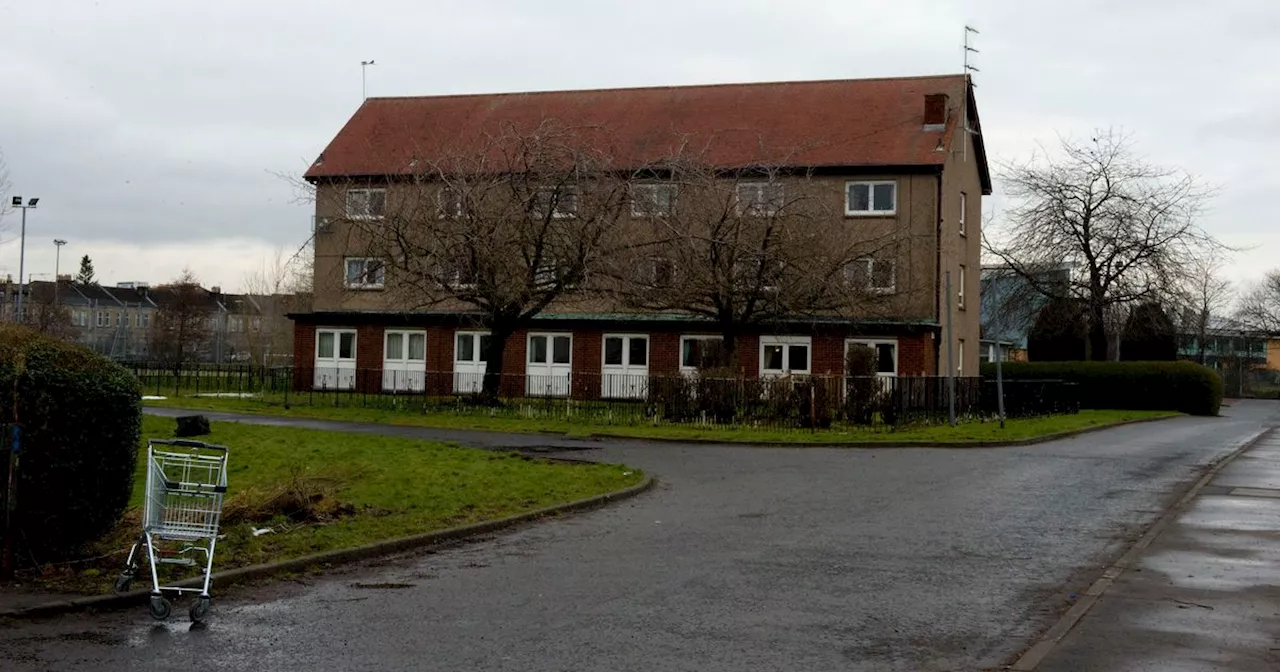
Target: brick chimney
x,y
935,111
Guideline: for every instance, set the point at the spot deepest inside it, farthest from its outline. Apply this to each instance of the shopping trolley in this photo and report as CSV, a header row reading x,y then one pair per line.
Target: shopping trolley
x,y
179,518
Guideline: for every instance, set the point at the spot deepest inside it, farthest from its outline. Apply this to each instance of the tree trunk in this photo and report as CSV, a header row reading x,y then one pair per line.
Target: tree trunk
x,y
493,365
1097,334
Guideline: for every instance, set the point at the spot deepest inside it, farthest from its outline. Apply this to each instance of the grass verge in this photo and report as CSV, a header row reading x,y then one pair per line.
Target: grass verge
x,y
964,433
321,491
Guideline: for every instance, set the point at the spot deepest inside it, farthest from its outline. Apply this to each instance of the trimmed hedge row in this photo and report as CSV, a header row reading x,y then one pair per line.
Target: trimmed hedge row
x,y
81,416
1161,386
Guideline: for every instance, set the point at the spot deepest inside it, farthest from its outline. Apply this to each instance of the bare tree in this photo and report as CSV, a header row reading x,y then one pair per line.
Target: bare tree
x,y
500,231
276,289
180,330
1259,308
1206,297
1127,227
747,246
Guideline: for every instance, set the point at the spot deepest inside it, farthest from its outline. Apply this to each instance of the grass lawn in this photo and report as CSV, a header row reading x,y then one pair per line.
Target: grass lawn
x,y
357,489
969,432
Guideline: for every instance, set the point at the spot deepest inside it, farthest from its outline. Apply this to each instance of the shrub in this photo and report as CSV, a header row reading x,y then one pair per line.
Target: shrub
x,y
1149,335
863,388
81,415
1059,334
1165,386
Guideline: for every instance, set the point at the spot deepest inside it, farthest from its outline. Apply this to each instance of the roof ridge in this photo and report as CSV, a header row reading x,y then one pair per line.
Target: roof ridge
x,y
660,87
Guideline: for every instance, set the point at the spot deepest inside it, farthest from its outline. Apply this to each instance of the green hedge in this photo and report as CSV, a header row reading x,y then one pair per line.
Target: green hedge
x,y
1162,386
81,416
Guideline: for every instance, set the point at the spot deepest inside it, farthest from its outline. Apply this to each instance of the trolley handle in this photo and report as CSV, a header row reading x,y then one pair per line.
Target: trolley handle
x,y
189,443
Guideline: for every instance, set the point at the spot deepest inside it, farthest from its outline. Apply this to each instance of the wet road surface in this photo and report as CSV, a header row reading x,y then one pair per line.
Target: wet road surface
x,y
741,559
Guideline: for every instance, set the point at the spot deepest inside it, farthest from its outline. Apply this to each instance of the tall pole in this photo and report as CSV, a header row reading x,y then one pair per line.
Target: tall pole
x,y
951,363
22,265
57,268
364,89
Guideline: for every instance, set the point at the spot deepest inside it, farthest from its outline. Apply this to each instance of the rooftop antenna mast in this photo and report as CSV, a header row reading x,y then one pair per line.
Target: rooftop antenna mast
x,y
968,80
364,87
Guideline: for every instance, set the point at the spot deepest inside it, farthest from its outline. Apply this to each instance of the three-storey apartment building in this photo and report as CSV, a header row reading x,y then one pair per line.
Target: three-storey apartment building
x,y
884,177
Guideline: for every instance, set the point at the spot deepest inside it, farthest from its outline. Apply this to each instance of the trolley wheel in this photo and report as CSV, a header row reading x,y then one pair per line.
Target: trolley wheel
x,y
122,583
200,609
160,608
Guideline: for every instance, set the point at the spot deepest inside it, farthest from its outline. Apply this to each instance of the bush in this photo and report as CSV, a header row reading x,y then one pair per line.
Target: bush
x,y
1149,336
1163,386
1059,334
81,415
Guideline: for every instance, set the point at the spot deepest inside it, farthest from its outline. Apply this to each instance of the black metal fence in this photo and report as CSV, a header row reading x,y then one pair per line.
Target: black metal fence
x,y
813,402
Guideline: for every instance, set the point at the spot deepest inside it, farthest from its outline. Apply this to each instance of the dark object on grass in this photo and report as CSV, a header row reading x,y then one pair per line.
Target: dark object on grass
x,y
192,425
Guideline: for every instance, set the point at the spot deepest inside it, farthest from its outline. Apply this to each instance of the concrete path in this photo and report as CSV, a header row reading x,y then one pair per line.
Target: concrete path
x,y
1205,595
917,560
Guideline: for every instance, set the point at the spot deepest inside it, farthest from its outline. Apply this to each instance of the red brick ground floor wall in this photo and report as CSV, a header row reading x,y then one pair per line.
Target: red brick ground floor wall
x,y
916,352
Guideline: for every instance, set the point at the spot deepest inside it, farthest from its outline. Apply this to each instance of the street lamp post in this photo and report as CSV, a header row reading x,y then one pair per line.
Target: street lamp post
x,y
57,268
22,249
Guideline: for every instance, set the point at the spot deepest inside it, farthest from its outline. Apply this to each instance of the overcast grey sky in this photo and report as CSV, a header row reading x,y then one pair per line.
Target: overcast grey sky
x,y
153,130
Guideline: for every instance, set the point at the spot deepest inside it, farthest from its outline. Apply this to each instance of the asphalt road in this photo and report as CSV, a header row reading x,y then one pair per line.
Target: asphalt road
x,y
742,559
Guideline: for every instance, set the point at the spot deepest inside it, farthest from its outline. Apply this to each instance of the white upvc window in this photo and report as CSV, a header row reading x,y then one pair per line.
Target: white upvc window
x,y
366,203
654,272
625,366
469,361
561,202
652,200
960,289
404,360
876,275
694,350
335,363
960,357
548,364
365,273
964,207
102,318
144,318
784,355
885,351
877,198
760,199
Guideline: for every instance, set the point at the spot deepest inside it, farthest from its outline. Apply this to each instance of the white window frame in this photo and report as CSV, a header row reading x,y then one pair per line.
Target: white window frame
x,y
652,190
625,380
558,211
554,380
960,358
144,319
468,374
872,343
868,265
871,199
960,289
366,192
964,206
647,271
759,204
343,368
346,273
403,373
695,337
102,318
786,342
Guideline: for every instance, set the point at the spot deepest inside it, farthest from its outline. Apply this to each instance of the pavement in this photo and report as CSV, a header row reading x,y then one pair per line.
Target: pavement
x,y
1205,594
741,559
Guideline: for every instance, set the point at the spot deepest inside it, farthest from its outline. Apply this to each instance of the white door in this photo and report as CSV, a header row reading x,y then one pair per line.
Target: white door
x,y
548,365
335,359
625,372
784,355
469,348
404,361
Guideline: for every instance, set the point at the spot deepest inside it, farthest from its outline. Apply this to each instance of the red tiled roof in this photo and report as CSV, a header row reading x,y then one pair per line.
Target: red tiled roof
x,y
862,122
